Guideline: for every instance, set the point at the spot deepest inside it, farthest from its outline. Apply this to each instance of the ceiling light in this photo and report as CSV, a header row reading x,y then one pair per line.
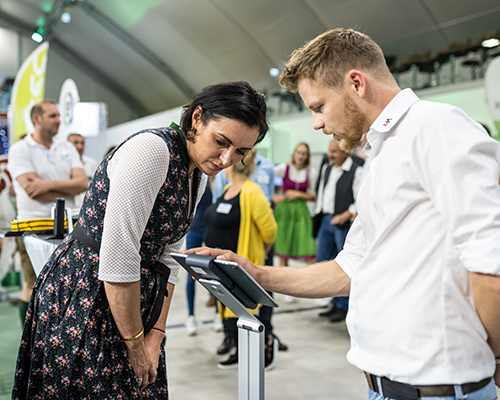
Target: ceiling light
x,y
489,43
66,16
38,35
274,72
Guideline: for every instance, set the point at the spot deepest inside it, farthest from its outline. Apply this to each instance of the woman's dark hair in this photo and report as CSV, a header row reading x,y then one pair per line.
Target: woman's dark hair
x,y
234,100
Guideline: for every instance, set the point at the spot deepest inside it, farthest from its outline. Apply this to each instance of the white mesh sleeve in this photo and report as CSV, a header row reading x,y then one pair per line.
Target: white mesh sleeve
x,y
180,246
136,173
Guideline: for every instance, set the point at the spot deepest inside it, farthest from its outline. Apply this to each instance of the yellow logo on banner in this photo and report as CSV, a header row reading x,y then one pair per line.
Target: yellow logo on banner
x,y
28,89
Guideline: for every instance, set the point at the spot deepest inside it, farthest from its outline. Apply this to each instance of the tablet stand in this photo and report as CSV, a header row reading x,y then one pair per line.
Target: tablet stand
x,y
250,343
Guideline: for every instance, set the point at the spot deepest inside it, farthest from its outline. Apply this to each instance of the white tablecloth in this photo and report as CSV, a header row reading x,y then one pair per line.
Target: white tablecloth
x,y
40,250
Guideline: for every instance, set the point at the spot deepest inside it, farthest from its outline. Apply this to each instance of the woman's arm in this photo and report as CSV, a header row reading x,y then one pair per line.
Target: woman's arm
x,y
124,303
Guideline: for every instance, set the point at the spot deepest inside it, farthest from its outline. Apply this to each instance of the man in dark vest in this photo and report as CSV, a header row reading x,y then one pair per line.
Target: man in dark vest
x,y
335,206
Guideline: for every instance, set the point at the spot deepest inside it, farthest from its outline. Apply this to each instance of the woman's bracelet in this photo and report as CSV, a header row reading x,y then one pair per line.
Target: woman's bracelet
x,y
158,329
134,337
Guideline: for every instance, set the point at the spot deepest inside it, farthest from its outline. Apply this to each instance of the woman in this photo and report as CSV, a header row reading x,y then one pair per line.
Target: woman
x,y
241,221
294,239
96,320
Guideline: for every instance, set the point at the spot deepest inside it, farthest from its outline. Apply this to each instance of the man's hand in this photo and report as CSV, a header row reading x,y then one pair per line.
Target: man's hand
x,y
225,255
341,219
35,186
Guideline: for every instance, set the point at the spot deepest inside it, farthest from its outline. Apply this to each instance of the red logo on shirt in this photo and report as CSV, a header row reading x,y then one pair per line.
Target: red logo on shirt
x,y
387,121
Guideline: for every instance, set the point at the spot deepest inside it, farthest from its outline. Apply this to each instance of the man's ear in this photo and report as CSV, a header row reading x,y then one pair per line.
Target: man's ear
x,y
356,81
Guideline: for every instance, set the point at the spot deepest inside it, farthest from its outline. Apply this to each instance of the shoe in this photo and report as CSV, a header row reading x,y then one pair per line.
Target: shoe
x,y
332,309
231,362
322,302
270,354
211,301
225,347
281,346
338,315
191,327
289,299
217,327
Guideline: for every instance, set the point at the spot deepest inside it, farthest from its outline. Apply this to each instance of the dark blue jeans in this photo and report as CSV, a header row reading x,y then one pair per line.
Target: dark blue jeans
x,y
193,239
329,243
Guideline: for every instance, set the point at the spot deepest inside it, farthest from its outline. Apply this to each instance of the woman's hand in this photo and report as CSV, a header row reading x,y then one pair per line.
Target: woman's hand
x,y
293,194
277,198
153,345
142,362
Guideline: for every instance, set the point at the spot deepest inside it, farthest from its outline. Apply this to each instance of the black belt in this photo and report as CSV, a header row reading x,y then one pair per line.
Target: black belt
x,y
403,391
156,267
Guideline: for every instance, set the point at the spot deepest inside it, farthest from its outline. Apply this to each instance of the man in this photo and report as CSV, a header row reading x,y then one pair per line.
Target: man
x,y
42,170
335,205
421,262
89,164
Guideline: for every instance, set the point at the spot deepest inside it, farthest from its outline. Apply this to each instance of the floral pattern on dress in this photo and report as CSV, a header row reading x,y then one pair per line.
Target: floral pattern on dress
x,y
71,347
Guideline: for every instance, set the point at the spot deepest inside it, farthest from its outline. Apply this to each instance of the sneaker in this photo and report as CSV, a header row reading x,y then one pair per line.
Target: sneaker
x,y
191,327
217,327
289,299
231,362
322,302
338,316
270,353
225,346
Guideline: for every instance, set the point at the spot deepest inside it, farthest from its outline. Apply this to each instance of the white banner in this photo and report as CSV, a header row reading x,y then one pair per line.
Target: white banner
x,y
68,98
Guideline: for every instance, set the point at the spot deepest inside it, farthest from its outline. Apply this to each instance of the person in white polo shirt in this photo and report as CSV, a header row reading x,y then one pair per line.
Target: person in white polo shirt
x,y
421,262
42,170
89,164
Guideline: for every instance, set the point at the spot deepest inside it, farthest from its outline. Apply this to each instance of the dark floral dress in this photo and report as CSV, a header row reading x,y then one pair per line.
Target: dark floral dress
x,y
71,347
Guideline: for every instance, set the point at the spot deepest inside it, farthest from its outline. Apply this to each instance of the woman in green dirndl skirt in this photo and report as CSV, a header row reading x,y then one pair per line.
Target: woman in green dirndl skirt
x,y
294,239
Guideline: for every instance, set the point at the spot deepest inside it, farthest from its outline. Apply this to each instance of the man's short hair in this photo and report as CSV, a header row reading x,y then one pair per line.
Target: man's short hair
x,y
74,134
327,59
38,107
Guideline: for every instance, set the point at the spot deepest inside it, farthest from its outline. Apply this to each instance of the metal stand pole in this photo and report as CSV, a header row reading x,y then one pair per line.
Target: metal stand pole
x,y
250,344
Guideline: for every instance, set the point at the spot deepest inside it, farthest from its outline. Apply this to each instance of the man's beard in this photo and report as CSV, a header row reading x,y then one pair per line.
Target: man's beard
x,y
355,123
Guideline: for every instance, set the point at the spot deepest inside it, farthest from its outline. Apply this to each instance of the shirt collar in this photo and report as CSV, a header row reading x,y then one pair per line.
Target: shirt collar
x,y
346,166
388,119
33,143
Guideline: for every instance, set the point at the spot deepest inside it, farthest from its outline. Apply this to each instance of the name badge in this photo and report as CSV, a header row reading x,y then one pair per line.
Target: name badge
x,y
224,208
263,179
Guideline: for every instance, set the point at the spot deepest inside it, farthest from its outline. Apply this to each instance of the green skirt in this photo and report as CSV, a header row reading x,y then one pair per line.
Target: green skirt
x,y
294,238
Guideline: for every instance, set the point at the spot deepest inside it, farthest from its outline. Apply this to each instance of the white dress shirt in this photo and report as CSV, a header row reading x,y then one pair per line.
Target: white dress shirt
x,y
429,212
326,193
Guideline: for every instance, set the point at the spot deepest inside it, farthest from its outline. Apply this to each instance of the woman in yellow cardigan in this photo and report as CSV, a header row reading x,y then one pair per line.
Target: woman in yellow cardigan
x,y
242,221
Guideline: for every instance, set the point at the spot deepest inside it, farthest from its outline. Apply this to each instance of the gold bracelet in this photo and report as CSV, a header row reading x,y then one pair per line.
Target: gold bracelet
x,y
134,337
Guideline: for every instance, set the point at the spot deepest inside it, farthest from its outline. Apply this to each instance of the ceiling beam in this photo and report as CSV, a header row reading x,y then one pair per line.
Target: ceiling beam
x,y
24,29
138,47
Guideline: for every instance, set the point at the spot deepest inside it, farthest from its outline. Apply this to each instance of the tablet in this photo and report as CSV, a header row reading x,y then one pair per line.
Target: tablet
x,y
232,275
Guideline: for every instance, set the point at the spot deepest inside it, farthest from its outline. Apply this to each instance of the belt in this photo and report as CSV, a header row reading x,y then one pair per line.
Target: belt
x,y
162,270
402,391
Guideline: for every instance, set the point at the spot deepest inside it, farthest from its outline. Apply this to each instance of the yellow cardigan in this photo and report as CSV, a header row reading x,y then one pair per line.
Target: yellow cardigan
x,y
257,226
